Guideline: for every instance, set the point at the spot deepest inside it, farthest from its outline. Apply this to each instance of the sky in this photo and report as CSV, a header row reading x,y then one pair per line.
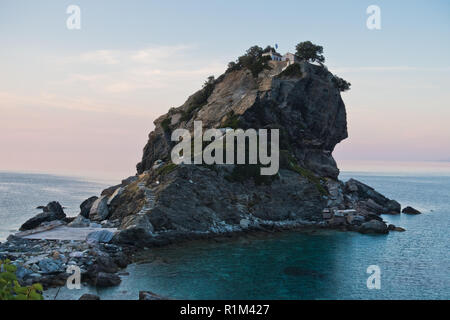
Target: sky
x,y
82,102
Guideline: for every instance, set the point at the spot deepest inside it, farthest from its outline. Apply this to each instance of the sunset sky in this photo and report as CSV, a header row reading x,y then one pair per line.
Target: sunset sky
x,y
83,101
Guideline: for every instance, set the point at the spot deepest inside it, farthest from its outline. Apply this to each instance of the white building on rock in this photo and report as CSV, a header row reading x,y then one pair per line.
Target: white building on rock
x,y
290,57
273,55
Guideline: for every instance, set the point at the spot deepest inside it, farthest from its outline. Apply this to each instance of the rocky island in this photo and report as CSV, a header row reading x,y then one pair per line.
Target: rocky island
x,y
166,203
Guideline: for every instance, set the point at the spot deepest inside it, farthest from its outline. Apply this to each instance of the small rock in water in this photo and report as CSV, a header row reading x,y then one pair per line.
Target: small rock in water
x,y
148,295
88,296
53,211
374,226
107,280
410,210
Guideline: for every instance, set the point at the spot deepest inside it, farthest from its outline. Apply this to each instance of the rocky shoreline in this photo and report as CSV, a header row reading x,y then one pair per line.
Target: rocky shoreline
x,y
101,260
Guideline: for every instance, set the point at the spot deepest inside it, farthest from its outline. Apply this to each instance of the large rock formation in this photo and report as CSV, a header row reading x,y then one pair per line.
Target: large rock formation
x,y
304,104
52,211
303,101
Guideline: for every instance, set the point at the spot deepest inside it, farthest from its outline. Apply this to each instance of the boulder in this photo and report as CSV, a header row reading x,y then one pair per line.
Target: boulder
x,y
371,199
106,264
107,280
121,260
53,211
136,229
148,295
51,266
55,208
22,272
109,191
374,207
410,210
88,296
80,222
337,221
392,227
355,219
129,180
99,210
392,207
101,236
115,196
374,226
86,206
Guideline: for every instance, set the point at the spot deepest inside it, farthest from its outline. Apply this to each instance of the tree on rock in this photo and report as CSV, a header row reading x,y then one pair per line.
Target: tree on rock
x,y
252,60
308,51
341,84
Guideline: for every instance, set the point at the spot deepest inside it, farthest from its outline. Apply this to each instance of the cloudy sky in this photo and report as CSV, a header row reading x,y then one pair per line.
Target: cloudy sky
x,y
83,101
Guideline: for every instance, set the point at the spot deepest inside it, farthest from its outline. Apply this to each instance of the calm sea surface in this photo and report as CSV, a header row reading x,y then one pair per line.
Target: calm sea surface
x,y
21,193
317,265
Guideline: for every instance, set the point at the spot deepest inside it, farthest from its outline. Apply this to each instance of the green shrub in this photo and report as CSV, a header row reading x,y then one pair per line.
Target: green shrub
x,y
341,84
308,51
10,289
293,70
252,60
200,98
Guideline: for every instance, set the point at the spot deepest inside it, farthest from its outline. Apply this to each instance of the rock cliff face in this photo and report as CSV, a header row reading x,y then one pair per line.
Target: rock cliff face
x,y
302,101
167,201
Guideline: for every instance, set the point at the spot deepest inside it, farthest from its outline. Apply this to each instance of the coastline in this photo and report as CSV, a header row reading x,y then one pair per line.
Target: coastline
x,y
265,233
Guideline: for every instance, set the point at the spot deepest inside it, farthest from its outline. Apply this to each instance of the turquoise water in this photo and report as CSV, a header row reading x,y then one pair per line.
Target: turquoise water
x,y
316,265
21,193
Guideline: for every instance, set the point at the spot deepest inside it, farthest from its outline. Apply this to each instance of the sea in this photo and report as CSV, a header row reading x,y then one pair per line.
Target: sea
x,y
414,264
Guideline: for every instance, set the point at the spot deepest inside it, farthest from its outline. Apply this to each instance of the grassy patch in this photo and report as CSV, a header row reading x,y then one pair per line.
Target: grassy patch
x,y
166,169
287,161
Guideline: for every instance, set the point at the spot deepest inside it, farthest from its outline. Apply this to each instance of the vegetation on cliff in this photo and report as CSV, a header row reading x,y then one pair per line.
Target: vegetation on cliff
x,y
10,289
253,60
